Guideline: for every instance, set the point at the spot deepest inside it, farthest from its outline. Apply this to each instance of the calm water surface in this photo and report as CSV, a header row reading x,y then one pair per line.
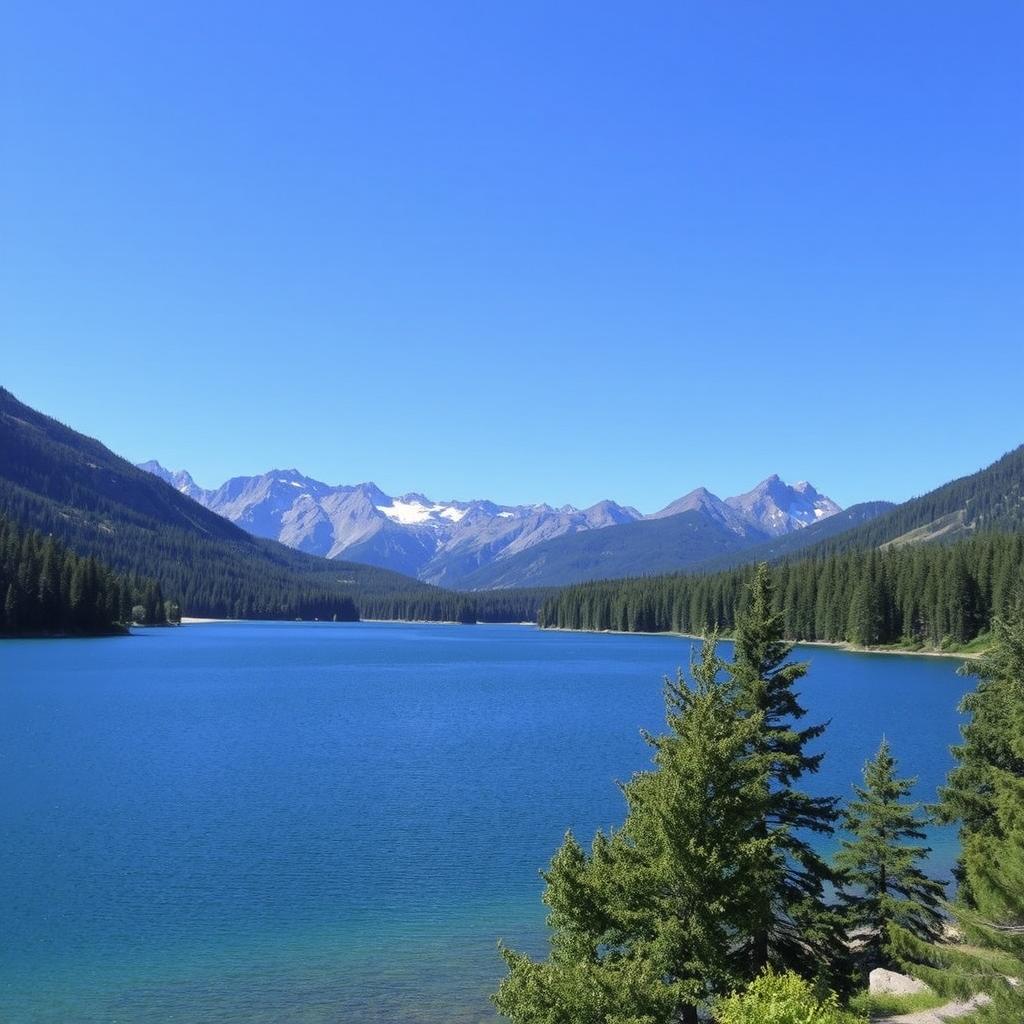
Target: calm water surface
x,y
257,822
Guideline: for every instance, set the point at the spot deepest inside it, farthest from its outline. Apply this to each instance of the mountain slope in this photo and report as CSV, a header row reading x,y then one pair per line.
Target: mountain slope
x,y
792,544
464,544
702,500
990,499
934,571
698,530
63,483
648,546
439,542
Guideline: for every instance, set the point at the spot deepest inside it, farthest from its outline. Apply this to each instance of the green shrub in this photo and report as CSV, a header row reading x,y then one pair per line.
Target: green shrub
x,y
782,999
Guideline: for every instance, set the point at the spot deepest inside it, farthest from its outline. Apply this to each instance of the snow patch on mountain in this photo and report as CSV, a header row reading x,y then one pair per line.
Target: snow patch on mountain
x,y
412,513
777,508
446,541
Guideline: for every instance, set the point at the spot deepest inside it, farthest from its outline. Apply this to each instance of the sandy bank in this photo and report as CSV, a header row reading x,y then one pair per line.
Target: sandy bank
x,y
836,645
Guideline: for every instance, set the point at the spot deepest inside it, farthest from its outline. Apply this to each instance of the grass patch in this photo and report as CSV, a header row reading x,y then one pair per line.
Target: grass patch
x,y
979,645
890,1005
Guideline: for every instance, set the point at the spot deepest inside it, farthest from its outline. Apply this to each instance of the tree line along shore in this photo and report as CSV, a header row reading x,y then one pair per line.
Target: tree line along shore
x,y
919,597
713,901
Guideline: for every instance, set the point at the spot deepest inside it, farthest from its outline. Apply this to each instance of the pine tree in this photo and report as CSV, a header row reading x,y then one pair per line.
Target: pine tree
x,y
12,619
794,927
649,926
985,794
882,880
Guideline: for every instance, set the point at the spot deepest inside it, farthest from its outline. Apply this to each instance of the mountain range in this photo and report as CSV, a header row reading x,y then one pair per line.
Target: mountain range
x,y
480,544
61,483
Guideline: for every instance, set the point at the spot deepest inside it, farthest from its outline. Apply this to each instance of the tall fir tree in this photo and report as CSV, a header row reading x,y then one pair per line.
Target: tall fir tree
x,y
650,926
882,881
985,794
794,927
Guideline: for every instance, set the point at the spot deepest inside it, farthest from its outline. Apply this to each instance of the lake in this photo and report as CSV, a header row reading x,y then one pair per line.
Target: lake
x,y
317,822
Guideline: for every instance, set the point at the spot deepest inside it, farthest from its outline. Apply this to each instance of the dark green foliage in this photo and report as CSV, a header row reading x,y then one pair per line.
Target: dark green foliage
x,y
799,542
847,585
985,795
71,487
648,926
519,604
49,590
991,499
993,744
793,927
435,605
882,881
931,594
711,879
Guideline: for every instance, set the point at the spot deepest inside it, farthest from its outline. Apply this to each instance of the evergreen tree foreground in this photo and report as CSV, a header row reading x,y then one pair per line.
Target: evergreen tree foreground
x,y
985,795
711,879
883,883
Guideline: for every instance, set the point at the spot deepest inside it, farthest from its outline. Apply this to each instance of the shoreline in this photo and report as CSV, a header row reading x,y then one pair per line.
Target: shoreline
x,y
839,645
849,648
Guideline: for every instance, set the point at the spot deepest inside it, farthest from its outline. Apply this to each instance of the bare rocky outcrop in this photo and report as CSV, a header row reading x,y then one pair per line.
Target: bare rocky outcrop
x,y
446,542
883,982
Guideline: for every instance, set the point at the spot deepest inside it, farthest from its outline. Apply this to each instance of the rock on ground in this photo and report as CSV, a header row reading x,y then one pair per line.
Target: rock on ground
x,y
883,982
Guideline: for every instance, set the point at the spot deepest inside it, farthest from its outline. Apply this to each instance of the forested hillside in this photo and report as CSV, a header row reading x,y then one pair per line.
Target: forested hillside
x,y
991,499
932,571
931,594
789,545
61,483
70,487
435,605
49,590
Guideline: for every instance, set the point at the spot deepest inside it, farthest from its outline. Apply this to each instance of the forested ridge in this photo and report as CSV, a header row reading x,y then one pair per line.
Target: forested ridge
x,y
435,605
48,590
63,484
72,488
931,594
991,499
711,902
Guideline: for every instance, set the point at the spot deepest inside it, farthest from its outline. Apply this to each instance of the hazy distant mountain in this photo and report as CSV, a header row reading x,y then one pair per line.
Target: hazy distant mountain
x,y
469,543
702,500
668,544
410,533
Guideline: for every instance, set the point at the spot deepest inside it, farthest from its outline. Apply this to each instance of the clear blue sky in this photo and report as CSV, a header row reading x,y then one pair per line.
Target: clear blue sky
x,y
526,251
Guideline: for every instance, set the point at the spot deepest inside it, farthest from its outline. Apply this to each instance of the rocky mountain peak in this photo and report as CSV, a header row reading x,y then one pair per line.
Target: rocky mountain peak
x,y
777,508
444,541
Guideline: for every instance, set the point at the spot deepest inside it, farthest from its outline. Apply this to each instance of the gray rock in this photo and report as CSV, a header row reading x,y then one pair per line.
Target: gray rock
x,y
883,982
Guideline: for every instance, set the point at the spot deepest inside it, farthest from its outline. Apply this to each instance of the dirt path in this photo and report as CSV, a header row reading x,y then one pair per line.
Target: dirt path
x,y
950,1011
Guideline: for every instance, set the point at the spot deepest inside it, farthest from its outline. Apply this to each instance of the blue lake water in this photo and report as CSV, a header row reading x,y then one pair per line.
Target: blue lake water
x,y
264,822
